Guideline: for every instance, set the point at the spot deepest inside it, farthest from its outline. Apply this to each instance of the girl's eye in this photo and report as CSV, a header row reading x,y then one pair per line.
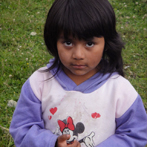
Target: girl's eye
x,y
89,44
67,43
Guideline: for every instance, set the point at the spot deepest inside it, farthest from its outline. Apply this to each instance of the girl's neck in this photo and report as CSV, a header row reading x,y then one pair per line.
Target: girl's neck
x,y
79,79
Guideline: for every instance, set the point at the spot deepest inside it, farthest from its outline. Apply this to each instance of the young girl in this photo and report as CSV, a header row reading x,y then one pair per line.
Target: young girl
x,y
80,99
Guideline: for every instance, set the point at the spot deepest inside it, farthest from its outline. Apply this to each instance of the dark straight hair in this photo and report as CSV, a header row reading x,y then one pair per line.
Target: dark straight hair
x,y
84,19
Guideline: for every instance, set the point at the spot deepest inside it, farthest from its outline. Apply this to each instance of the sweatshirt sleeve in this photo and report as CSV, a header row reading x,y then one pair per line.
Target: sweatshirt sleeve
x,y
27,125
131,128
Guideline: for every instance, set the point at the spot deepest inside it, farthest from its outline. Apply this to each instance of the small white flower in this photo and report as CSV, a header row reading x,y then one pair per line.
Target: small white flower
x,y
12,103
10,76
33,33
125,5
144,16
127,17
126,67
134,16
122,27
136,3
133,37
26,59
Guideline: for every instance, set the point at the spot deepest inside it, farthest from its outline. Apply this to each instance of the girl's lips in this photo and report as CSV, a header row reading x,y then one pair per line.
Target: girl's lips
x,y
78,66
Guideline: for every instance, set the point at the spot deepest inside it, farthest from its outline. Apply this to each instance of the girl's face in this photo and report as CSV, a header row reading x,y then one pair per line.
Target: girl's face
x,y
80,58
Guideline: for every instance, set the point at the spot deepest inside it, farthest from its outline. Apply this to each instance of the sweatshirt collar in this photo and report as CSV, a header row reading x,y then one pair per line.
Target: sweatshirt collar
x,y
87,86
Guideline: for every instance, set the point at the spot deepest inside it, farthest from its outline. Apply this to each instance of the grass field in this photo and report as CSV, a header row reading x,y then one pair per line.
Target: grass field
x,y
22,48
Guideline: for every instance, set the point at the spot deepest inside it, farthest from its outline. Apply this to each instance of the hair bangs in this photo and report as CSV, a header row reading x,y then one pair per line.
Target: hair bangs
x,y
79,22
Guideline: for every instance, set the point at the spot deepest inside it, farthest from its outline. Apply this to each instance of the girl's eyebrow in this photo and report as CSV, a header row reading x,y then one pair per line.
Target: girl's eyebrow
x,y
70,38
89,39
92,38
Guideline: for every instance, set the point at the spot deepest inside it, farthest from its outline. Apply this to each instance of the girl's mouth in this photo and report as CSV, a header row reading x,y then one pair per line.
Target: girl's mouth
x,y
78,66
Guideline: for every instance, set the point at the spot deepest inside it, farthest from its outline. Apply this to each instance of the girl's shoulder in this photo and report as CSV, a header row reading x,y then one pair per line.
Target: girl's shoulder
x,y
41,74
123,92
121,84
119,81
38,79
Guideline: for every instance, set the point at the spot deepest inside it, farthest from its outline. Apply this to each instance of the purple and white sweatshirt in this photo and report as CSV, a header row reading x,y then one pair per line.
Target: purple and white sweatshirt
x,y
103,111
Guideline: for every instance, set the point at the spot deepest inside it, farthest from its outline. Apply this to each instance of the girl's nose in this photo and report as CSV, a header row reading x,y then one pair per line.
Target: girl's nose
x,y
78,52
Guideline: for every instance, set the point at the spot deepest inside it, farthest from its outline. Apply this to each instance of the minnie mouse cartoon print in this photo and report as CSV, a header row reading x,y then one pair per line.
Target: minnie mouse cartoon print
x,y
67,127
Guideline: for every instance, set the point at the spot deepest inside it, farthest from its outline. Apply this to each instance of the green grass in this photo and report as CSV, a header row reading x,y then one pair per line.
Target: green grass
x,y
21,54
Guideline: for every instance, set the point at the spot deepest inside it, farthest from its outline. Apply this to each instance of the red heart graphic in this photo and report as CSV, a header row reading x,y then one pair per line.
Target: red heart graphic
x,y
49,117
95,115
53,110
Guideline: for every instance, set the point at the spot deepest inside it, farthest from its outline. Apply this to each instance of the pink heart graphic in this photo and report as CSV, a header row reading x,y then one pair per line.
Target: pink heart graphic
x,y
95,115
49,117
53,110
